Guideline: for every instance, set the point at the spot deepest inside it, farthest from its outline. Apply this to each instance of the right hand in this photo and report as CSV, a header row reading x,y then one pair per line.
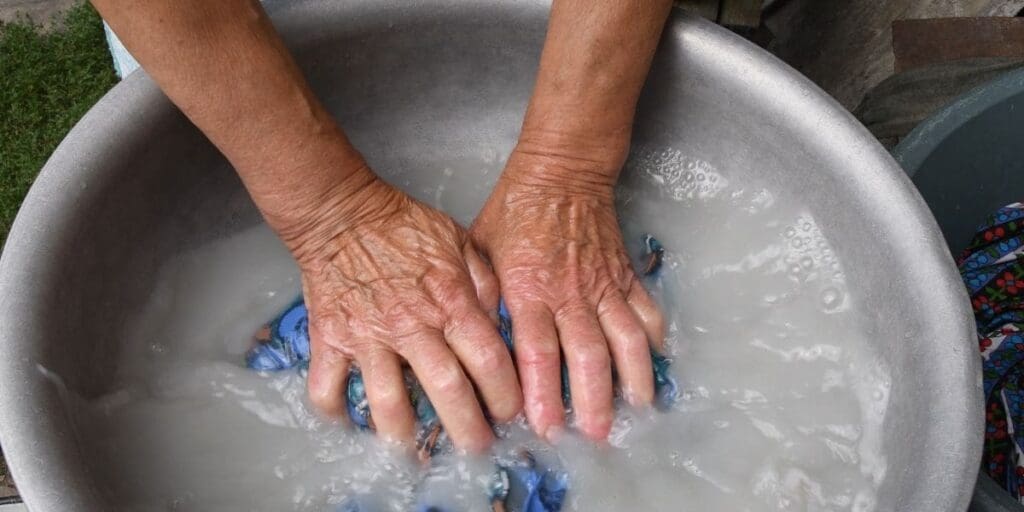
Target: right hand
x,y
388,281
551,232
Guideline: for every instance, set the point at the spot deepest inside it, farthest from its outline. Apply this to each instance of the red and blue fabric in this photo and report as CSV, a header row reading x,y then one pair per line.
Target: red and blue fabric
x,y
993,272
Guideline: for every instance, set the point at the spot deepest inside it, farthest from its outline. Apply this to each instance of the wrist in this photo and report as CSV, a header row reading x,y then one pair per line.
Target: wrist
x,y
565,163
604,145
308,221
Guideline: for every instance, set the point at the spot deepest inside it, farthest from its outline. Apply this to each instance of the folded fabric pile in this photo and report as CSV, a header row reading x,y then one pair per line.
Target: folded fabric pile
x,y
284,344
993,271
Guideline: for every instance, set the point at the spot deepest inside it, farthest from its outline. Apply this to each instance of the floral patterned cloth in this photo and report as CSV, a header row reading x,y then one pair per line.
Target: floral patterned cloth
x,y
993,271
284,344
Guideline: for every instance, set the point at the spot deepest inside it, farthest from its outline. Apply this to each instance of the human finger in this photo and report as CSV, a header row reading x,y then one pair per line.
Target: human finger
x,y
590,372
450,391
629,348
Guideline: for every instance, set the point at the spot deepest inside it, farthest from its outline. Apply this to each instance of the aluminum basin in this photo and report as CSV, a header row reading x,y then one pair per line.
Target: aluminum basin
x,y
424,85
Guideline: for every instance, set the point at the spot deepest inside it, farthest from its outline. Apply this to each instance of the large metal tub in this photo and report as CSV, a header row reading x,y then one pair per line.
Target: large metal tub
x,y
426,84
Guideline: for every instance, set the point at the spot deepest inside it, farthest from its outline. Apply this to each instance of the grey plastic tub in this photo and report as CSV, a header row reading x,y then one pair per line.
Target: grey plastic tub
x,y
967,160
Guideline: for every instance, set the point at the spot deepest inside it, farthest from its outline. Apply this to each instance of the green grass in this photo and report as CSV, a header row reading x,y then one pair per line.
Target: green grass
x,y
47,82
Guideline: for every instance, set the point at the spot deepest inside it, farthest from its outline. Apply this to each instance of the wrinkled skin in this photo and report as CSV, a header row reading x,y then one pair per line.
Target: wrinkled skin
x,y
398,282
550,230
390,281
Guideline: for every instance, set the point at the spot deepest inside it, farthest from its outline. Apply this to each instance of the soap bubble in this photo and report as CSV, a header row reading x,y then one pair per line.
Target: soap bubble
x,y
831,298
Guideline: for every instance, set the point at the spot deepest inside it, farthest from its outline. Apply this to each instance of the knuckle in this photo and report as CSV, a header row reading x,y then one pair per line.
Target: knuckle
x,y
526,278
607,304
591,360
390,402
449,287
408,340
448,379
326,328
620,272
409,315
328,357
607,290
538,354
461,322
450,293
574,307
492,359
323,399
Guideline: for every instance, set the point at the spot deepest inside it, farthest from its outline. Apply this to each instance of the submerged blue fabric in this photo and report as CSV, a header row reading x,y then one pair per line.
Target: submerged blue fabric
x,y
284,344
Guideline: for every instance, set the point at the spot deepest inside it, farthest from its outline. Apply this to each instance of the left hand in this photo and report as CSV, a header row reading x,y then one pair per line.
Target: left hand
x,y
551,233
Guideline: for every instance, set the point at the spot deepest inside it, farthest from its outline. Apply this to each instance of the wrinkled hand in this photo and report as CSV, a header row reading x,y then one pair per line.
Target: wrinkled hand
x,y
388,280
551,233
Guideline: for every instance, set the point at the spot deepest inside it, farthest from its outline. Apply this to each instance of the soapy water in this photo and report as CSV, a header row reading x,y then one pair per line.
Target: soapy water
x,y
781,400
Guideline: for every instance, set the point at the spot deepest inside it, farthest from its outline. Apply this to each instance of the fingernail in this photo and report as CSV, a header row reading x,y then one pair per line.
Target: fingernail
x,y
554,434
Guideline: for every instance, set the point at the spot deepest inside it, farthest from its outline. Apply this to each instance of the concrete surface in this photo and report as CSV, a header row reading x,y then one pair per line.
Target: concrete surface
x,y
40,11
6,484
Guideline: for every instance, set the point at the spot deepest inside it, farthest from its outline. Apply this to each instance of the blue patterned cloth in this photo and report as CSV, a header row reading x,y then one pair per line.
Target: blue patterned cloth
x,y
284,344
993,272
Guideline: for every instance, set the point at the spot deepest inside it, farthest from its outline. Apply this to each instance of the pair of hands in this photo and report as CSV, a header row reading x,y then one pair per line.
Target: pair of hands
x,y
404,283
389,281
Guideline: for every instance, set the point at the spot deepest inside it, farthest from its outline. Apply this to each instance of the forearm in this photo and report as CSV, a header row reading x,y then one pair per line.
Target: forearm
x,y
595,60
224,66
